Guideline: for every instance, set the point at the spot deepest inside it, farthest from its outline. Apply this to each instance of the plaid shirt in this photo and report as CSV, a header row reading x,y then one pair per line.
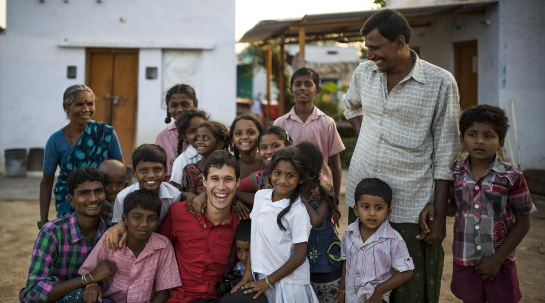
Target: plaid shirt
x,y
409,136
58,253
486,209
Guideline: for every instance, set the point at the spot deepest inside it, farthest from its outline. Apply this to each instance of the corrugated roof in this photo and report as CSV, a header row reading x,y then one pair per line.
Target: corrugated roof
x,y
350,23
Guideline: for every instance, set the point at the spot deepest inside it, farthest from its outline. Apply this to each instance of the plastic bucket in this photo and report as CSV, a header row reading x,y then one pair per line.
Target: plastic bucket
x,y
35,159
15,162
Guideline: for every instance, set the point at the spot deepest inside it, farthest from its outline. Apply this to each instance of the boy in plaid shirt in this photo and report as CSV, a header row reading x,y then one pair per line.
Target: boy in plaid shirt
x,y
491,209
63,244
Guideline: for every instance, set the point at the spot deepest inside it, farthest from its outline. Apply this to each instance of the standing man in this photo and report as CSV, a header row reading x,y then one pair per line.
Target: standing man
x,y
407,110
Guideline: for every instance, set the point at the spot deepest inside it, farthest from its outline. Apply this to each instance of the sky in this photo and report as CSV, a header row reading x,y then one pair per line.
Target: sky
x,y
250,12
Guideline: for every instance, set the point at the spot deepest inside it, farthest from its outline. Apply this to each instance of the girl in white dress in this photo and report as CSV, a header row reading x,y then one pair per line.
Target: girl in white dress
x,y
280,230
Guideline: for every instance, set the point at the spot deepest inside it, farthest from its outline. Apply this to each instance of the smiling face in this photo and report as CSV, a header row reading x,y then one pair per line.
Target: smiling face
x,y
221,186
284,179
88,198
380,50
114,182
140,223
82,109
372,211
304,90
150,175
205,142
245,135
268,146
178,104
191,131
481,142
243,251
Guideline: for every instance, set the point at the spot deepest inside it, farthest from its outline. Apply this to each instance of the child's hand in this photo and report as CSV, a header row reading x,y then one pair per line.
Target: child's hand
x,y
340,297
241,209
258,286
197,204
487,267
427,214
115,236
92,294
247,277
104,270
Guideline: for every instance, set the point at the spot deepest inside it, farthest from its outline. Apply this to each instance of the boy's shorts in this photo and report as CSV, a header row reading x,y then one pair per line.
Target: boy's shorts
x,y
468,285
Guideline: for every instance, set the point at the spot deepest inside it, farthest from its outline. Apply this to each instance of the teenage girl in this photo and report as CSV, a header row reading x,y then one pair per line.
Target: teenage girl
x,y
187,124
270,140
211,136
179,98
244,132
278,253
324,246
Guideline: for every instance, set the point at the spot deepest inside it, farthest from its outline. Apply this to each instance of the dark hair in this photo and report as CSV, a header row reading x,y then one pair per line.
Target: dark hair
x,y
488,114
82,175
182,123
149,153
390,23
278,131
315,160
244,230
373,187
142,198
219,130
249,117
305,71
218,159
297,159
180,89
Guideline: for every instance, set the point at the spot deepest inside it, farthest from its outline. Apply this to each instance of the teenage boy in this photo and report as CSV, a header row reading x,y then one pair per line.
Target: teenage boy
x,y
115,180
306,122
146,265
63,244
150,164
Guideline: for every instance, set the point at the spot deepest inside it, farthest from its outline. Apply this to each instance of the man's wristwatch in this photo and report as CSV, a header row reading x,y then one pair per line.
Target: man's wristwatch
x,y
41,223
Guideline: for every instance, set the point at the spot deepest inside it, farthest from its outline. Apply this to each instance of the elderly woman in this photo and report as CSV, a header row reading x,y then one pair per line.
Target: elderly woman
x,y
81,143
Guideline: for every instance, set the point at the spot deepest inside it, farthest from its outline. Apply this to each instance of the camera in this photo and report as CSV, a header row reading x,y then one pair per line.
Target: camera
x,y
227,282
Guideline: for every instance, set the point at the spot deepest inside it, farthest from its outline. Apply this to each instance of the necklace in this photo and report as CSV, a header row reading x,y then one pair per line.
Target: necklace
x,y
70,137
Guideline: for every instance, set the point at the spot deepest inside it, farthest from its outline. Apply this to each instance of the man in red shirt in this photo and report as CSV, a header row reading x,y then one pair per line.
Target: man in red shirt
x,y
202,245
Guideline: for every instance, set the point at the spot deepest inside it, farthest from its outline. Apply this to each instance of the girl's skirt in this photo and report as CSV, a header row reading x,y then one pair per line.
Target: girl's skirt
x,y
284,292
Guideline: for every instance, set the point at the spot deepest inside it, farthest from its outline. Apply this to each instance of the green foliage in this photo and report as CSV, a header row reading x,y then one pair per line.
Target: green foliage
x,y
382,3
346,155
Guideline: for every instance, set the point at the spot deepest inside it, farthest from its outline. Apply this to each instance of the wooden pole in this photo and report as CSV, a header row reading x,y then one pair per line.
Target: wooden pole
x,y
269,74
301,47
281,81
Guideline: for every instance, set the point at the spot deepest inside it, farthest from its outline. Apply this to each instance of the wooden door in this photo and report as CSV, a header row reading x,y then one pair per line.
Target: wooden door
x,y
113,75
466,72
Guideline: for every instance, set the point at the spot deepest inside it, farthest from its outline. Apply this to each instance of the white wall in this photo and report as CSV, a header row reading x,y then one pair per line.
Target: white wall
x,y
42,39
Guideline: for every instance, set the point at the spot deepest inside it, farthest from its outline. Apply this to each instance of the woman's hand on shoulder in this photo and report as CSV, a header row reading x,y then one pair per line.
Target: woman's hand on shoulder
x,y
115,237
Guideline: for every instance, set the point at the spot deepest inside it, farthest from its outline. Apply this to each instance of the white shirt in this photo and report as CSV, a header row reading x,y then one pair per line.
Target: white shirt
x,y
272,247
189,156
167,193
409,136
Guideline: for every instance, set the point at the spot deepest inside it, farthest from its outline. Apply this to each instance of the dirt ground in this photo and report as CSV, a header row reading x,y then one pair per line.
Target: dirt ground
x,y
18,232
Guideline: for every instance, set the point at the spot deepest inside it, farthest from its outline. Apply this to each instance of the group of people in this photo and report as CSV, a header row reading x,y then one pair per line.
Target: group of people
x,y
249,213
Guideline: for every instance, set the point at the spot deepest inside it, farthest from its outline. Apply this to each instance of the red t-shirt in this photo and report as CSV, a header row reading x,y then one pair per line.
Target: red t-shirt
x,y
201,252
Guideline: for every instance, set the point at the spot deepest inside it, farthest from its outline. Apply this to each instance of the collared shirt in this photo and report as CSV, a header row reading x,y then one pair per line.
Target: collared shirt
x,y
372,262
189,156
167,193
408,137
319,129
58,253
486,209
168,140
136,279
272,247
201,252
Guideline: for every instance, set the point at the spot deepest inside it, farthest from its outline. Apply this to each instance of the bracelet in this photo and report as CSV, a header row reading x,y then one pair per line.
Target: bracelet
x,y
92,277
91,285
267,281
343,291
83,280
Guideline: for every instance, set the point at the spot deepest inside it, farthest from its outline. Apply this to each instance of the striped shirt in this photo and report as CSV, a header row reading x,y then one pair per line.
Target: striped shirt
x,y
136,279
58,253
408,137
486,209
372,262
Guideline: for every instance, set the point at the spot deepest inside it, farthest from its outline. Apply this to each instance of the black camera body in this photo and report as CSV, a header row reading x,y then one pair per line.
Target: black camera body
x,y
227,282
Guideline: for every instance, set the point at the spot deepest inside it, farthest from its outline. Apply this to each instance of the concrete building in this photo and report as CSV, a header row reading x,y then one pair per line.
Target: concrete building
x,y
130,52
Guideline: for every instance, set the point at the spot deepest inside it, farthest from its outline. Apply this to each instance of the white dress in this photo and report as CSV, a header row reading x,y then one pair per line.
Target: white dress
x,y
271,247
